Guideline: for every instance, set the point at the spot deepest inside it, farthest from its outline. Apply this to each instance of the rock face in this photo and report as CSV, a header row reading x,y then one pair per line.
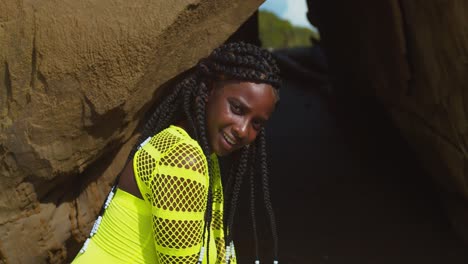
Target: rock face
x,y
412,56
75,80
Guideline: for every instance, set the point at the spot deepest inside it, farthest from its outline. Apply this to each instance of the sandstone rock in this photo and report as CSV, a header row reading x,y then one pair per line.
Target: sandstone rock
x,y
75,80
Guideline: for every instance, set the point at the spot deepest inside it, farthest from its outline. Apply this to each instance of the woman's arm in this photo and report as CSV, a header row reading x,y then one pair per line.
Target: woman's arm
x,y
179,195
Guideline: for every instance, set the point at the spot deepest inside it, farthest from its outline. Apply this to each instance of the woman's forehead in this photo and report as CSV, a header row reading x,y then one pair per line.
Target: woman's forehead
x,y
252,91
259,96
246,88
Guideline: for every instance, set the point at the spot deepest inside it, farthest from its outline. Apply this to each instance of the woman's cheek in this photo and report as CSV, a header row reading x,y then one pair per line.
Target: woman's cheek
x,y
253,136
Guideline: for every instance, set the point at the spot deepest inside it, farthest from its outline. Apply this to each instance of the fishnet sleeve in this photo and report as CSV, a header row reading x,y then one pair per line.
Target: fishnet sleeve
x,y
178,197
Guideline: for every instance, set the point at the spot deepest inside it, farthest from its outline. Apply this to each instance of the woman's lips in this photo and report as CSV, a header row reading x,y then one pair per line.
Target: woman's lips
x,y
230,139
227,141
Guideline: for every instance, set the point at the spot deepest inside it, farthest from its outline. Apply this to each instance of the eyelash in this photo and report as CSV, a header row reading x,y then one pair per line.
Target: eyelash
x,y
236,108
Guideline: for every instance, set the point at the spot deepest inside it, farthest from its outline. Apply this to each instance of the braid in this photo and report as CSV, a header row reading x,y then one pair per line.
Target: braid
x,y
266,190
242,61
234,165
245,62
241,169
252,198
160,118
187,104
200,128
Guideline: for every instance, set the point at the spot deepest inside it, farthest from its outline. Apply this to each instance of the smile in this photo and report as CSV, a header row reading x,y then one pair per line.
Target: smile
x,y
229,139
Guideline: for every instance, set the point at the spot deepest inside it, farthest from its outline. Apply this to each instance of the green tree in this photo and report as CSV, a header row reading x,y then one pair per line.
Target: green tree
x,y
279,33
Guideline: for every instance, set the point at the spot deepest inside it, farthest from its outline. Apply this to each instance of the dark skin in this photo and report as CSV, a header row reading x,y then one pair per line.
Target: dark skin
x,y
236,112
127,181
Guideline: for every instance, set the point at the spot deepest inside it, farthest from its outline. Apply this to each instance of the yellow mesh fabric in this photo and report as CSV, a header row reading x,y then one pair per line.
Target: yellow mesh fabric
x,y
172,175
119,238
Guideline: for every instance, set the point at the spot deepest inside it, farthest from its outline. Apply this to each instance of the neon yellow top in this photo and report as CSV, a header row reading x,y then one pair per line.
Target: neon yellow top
x,y
171,172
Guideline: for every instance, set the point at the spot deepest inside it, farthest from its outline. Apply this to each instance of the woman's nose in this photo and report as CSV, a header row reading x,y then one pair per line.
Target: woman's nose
x,y
241,130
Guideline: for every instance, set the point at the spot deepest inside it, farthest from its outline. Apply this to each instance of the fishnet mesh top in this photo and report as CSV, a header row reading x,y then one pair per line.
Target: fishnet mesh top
x,y
172,174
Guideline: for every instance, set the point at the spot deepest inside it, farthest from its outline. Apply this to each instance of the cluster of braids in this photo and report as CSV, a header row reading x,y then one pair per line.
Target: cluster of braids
x,y
246,62
187,101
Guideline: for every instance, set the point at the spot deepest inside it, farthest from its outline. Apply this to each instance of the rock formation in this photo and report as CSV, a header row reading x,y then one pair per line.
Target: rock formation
x,y
412,56
75,79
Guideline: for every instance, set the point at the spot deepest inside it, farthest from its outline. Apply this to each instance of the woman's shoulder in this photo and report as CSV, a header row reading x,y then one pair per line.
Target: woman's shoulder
x,y
174,139
178,149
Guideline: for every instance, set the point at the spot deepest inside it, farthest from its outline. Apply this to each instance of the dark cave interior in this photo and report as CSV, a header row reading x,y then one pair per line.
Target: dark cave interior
x,y
346,186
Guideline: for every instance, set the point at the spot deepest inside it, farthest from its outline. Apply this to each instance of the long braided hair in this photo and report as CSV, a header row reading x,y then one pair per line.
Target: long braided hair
x,y
187,101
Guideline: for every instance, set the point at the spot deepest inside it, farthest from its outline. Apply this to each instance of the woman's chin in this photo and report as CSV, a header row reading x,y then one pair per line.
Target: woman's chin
x,y
221,152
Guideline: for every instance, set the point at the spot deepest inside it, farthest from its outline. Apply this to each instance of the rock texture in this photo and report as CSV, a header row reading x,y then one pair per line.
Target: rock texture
x,y
75,80
412,56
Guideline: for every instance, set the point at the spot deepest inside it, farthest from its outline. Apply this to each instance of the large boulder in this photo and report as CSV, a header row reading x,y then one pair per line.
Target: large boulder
x,y
412,56
75,80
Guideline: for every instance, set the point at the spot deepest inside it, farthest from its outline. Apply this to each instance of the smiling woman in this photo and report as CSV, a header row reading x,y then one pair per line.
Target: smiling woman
x,y
171,204
236,112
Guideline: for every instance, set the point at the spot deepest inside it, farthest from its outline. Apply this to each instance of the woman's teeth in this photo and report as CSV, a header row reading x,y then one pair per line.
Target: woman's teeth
x,y
229,139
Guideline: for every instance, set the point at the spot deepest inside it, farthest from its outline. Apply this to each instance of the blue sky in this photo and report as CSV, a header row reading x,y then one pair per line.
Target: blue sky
x,y
292,10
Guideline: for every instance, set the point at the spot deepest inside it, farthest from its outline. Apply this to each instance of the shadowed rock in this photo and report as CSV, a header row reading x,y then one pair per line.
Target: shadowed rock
x,y
412,57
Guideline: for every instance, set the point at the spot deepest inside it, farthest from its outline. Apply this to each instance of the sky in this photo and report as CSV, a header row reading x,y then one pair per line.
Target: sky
x,y
292,10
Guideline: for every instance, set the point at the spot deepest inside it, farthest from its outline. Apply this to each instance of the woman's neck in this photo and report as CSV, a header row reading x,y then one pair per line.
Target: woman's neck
x,y
183,124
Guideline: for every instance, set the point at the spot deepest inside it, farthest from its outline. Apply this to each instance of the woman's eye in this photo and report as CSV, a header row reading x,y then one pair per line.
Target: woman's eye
x,y
236,108
257,125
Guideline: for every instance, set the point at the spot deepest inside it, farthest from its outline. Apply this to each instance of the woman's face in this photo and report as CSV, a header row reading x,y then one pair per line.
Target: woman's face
x,y
236,112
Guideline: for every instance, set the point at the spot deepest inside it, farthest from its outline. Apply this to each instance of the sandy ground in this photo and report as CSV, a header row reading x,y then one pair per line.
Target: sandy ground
x,y
347,189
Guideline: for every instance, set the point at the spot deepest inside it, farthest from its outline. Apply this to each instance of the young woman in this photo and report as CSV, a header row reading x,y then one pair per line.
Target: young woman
x,y
169,205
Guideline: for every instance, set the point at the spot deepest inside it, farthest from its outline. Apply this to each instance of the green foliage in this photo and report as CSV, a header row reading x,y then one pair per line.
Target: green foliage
x,y
278,33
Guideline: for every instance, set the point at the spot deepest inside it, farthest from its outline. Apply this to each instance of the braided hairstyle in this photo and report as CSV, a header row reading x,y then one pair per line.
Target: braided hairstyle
x,y
187,101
